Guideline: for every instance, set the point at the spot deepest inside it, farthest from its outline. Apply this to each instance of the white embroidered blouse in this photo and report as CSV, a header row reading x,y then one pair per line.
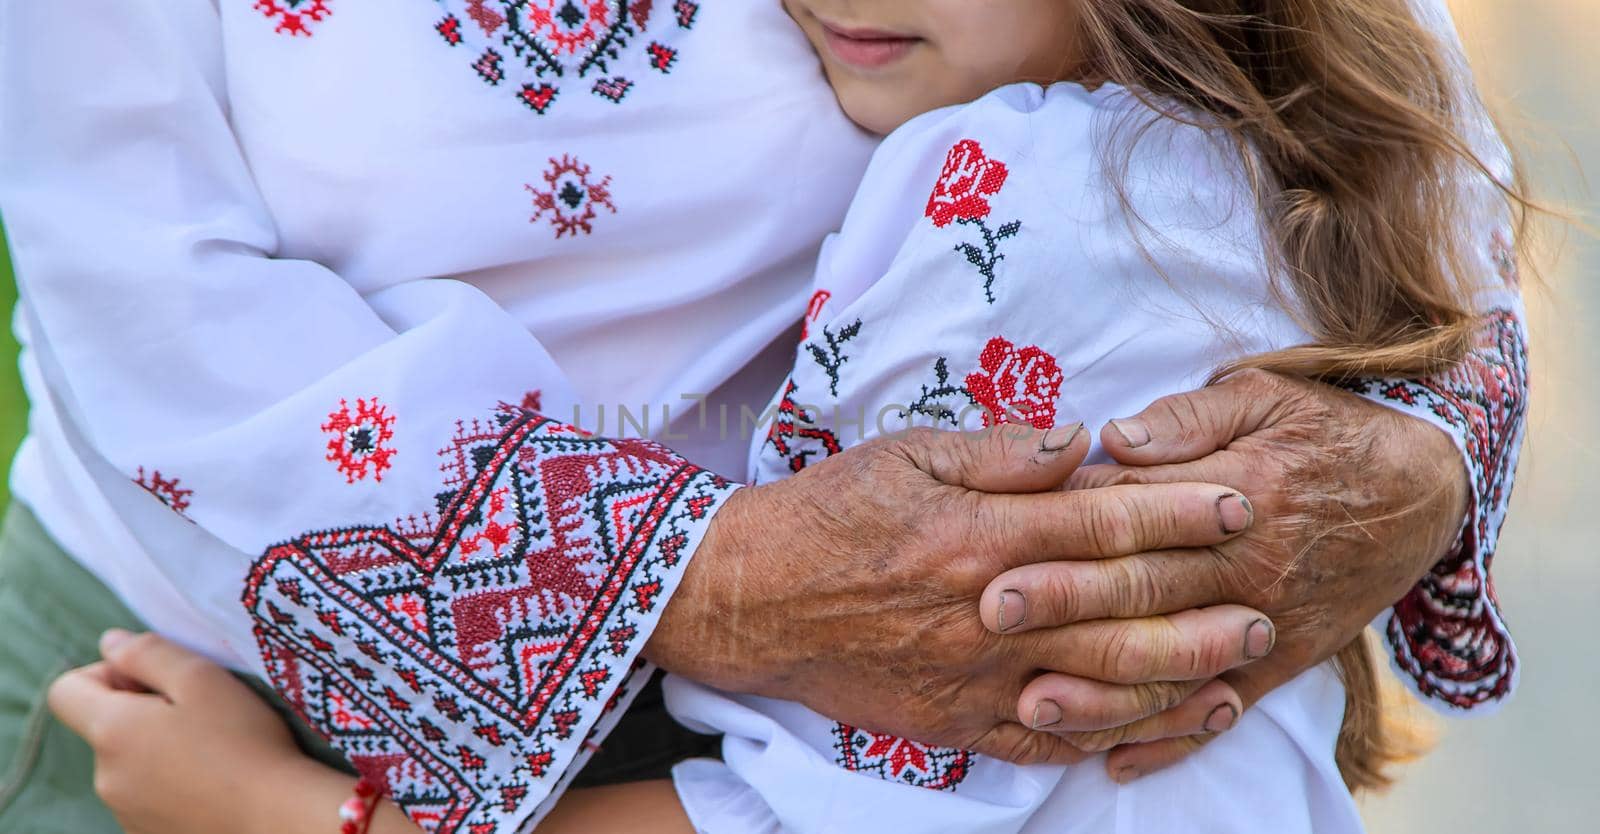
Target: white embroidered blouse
x,y
316,290
987,273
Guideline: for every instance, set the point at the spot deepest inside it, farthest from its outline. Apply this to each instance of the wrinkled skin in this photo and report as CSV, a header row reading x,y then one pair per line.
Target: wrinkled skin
x,y
853,587
1354,503
849,587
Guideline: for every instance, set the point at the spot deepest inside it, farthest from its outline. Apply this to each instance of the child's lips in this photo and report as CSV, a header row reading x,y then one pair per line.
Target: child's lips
x,y
866,48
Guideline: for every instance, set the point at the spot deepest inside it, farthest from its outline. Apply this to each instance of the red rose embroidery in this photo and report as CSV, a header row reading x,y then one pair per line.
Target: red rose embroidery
x,y
961,195
1016,385
968,178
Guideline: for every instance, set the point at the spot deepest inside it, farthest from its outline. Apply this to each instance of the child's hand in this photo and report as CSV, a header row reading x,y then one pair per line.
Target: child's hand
x,y
180,745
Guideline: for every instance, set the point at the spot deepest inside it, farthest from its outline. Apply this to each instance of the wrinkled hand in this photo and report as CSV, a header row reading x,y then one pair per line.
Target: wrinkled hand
x,y
851,587
1354,502
179,744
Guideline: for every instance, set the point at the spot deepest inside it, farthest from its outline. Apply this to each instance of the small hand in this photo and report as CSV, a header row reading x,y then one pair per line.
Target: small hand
x,y
1354,502
180,745
852,587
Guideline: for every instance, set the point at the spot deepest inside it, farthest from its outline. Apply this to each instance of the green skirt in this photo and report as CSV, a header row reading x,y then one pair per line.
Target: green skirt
x,y
52,613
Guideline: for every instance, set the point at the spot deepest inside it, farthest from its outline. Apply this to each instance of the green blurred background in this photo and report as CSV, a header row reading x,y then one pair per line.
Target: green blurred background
x,y
13,408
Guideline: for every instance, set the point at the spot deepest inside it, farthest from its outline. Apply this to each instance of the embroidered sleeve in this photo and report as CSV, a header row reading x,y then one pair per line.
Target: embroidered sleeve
x,y
1447,637
461,624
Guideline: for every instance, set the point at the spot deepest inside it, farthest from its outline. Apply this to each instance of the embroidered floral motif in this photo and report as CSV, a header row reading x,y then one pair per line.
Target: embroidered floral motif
x,y
612,89
358,441
1447,634
552,41
968,179
795,435
165,490
686,11
570,197
896,759
1016,385
294,17
462,671
831,357
934,401
813,311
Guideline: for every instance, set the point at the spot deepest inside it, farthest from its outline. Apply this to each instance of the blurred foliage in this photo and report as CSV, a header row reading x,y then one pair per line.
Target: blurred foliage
x,y
13,406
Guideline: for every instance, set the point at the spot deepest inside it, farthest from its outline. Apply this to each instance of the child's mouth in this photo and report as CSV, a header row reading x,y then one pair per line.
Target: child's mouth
x,y
866,48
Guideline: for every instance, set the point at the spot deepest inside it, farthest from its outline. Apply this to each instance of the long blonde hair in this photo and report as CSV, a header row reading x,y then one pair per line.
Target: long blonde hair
x,y
1350,115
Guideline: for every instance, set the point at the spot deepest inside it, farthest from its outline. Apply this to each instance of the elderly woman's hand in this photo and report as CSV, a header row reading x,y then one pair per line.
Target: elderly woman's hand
x,y
1354,503
853,586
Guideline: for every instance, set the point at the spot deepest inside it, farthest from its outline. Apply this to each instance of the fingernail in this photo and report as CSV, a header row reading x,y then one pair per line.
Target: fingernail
x,y
1258,639
1046,713
1013,609
1134,433
1060,437
1127,774
1235,512
112,638
1221,718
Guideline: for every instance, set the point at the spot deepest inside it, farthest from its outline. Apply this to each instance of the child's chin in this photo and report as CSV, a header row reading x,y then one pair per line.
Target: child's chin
x,y
873,113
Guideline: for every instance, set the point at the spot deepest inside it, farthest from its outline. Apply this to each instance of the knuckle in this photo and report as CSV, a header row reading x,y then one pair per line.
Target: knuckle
x,y
1062,599
1110,525
1129,654
1097,741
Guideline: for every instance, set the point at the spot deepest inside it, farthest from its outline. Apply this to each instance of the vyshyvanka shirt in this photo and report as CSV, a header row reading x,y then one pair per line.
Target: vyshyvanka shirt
x,y
320,297
989,272
313,290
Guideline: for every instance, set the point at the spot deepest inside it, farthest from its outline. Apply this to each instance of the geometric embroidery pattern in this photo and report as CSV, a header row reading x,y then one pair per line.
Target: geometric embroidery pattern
x,y
895,759
546,45
293,17
570,197
359,441
462,666
165,490
1447,634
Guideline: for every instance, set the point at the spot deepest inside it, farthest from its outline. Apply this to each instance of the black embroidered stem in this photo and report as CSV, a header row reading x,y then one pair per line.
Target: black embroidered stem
x,y
929,403
985,261
833,357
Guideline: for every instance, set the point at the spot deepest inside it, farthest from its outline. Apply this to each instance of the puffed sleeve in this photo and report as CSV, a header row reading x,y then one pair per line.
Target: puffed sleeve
x,y
451,586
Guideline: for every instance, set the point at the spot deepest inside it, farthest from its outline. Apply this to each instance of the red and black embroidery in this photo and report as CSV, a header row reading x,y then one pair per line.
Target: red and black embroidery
x,y
968,179
935,399
464,670
165,490
895,759
570,196
1447,634
358,441
1016,385
1011,385
294,17
795,435
553,41
832,356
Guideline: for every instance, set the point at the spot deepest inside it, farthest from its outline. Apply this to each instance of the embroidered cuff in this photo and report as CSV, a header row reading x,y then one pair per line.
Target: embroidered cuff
x,y
469,661
1446,636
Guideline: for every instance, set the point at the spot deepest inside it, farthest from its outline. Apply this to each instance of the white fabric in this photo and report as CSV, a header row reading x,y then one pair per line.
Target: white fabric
x,y
1093,316
223,229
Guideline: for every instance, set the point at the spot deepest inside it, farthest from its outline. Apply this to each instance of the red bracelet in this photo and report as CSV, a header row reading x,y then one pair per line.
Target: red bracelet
x,y
356,813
